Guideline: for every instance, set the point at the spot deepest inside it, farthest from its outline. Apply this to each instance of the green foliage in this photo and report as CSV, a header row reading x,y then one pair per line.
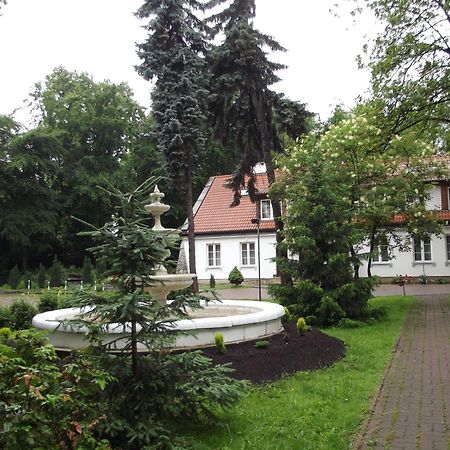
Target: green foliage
x,y
46,403
235,276
212,281
87,271
5,316
349,323
41,276
219,343
262,344
155,389
287,314
14,277
302,328
312,320
329,311
48,301
21,315
56,273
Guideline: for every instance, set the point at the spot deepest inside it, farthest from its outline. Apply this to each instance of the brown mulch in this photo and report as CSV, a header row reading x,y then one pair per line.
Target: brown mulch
x,y
288,352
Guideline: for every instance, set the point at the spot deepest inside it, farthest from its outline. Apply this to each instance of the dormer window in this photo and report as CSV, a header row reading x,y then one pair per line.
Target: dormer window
x,y
266,209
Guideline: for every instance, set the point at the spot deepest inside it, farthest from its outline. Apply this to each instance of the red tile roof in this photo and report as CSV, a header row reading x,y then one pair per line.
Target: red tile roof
x,y
215,215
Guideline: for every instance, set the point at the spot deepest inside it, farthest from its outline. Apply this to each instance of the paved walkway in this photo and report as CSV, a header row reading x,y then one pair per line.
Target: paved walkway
x,y
412,409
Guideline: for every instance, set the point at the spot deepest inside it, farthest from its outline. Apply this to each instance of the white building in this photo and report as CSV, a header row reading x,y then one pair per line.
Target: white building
x,y
225,236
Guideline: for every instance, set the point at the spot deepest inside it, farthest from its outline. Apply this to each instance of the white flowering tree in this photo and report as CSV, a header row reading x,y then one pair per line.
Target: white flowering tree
x,y
352,185
386,178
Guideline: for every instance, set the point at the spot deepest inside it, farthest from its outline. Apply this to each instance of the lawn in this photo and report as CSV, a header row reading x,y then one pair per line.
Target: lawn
x,y
313,410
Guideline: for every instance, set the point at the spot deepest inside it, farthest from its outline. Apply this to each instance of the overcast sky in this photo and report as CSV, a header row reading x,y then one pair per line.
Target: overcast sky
x,y
99,36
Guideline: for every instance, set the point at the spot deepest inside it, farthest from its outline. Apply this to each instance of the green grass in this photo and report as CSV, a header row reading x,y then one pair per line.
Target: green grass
x,y
314,410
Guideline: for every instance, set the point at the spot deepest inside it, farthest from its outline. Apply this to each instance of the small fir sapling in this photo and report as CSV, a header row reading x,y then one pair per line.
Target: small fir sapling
x,y
235,277
219,343
212,281
262,344
302,328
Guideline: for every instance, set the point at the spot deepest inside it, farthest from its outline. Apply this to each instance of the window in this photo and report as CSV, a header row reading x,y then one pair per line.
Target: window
x,y
248,254
213,255
380,250
422,250
447,238
266,209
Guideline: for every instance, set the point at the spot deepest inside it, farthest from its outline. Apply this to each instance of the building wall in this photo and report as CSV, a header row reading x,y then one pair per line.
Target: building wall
x,y
230,247
403,262
434,202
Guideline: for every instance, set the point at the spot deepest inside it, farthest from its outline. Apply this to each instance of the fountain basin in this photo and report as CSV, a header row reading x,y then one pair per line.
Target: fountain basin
x,y
237,320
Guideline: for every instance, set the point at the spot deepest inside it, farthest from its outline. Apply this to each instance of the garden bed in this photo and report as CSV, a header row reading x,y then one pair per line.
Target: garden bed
x,y
287,353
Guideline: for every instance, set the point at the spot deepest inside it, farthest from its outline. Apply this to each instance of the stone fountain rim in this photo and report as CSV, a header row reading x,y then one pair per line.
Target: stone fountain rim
x,y
261,312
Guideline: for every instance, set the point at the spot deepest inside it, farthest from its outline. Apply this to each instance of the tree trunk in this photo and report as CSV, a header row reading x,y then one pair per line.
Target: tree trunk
x,y
355,263
190,218
371,246
134,352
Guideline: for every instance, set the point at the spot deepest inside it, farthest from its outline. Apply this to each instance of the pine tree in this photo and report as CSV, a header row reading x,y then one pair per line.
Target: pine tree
x,y
41,276
87,269
14,277
56,275
171,56
243,106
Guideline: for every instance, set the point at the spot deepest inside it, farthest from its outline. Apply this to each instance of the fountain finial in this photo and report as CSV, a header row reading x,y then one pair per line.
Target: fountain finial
x,y
156,208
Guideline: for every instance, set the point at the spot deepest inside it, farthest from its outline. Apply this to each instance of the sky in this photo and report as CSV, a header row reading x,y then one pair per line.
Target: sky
x,y
99,37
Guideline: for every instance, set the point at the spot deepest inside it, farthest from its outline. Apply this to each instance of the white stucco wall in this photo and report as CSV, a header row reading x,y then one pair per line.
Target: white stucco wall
x,y
434,202
230,247
404,264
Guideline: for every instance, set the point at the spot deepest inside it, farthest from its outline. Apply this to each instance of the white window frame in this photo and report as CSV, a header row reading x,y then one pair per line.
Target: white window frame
x,y
423,251
247,246
216,255
380,256
261,209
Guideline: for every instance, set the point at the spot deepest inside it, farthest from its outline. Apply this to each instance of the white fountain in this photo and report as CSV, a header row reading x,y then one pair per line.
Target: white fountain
x,y
237,320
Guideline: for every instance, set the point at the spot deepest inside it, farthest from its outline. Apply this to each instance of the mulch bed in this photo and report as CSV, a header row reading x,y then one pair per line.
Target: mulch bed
x,y
288,352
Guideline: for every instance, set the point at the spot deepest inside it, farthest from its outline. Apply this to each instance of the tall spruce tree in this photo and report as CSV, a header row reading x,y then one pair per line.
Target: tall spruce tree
x,y
172,56
242,106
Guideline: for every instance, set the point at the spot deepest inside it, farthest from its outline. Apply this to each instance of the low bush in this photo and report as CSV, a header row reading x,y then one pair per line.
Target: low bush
x,y
212,281
5,316
287,314
219,343
262,344
312,321
48,301
21,315
329,311
235,277
349,323
302,327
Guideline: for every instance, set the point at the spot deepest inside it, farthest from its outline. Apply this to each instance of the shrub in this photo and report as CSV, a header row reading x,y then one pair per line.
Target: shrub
x,y
48,301
235,277
56,275
14,277
5,317
262,344
329,311
375,312
212,281
219,343
60,404
302,328
41,276
441,281
349,323
312,321
287,314
21,315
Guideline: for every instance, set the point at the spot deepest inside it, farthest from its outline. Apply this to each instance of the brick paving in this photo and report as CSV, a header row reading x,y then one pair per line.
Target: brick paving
x,y
412,409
